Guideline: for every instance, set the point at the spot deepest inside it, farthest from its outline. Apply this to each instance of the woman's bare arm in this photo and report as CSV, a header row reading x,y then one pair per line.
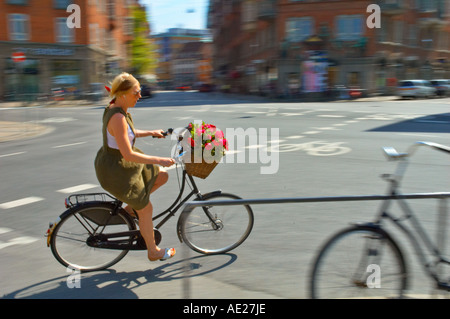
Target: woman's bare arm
x,y
118,127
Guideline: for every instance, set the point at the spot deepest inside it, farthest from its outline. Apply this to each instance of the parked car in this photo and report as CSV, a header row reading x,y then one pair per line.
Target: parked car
x,y
415,88
57,94
96,92
146,91
442,86
205,87
183,88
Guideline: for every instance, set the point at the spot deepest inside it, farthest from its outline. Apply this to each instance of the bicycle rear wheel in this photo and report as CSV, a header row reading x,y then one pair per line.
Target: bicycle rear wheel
x,y
224,229
74,239
359,262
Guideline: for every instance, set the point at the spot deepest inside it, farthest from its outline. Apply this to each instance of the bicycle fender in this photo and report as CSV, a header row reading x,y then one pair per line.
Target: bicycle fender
x,y
52,225
213,193
367,224
51,228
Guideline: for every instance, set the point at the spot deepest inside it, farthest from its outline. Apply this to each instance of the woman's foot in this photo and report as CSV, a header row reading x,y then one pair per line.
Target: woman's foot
x,y
166,254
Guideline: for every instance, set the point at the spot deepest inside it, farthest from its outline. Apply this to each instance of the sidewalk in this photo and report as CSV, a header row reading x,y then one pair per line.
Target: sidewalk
x,y
10,131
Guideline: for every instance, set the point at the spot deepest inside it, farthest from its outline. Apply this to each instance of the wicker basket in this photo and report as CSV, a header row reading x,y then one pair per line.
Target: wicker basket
x,y
201,170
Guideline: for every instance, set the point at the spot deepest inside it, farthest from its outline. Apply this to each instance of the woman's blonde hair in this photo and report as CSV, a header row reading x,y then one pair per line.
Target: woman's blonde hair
x,y
122,84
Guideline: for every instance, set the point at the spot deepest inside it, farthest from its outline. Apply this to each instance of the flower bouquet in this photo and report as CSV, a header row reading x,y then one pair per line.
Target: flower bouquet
x,y
207,146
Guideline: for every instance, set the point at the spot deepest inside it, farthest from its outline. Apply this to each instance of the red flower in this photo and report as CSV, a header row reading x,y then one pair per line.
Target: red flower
x,y
208,146
225,143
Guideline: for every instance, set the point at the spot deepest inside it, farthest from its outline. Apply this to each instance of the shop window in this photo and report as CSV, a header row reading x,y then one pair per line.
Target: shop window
x,y
21,79
66,73
354,79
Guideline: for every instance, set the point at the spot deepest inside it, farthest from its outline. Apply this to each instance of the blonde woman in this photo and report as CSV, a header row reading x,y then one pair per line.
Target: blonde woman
x,y
125,171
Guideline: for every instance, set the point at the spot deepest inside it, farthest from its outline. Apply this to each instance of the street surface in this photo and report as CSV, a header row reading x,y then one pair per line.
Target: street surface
x,y
310,149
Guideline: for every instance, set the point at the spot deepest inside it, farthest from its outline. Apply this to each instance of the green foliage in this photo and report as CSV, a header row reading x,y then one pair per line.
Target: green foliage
x,y
143,49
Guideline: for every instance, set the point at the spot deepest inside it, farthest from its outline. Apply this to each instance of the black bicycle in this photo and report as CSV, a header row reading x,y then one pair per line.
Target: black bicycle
x,y
95,232
365,260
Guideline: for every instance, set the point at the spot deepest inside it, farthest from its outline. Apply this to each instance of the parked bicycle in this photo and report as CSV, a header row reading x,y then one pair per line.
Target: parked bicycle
x,y
364,260
95,232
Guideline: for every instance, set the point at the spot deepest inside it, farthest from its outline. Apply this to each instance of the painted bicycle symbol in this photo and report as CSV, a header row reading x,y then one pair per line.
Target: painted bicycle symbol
x,y
316,148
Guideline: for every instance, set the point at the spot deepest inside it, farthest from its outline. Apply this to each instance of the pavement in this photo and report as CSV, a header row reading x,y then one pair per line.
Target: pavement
x,y
13,130
10,131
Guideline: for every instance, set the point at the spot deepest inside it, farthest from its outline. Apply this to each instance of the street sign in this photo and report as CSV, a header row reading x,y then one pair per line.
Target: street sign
x,y
18,56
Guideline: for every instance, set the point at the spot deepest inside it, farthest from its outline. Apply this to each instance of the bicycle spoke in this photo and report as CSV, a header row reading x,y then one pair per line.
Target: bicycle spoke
x,y
74,238
217,229
343,269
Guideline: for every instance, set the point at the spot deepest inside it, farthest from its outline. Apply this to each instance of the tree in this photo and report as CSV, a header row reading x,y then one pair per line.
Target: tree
x,y
143,50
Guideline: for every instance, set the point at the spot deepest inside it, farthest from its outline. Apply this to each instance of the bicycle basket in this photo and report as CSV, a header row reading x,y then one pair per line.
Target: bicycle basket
x,y
201,170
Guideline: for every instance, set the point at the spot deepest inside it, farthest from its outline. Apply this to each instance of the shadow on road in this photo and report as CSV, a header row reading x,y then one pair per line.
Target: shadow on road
x,y
436,123
111,284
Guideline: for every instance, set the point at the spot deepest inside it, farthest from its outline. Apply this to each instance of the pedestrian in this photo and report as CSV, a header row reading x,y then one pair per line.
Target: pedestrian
x,y
125,171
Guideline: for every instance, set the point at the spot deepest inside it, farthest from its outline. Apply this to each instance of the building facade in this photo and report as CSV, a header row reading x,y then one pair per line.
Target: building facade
x,y
191,65
57,54
293,46
169,44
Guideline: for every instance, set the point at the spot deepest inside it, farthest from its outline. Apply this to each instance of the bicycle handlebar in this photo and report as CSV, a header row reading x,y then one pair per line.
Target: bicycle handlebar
x,y
394,155
436,146
168,132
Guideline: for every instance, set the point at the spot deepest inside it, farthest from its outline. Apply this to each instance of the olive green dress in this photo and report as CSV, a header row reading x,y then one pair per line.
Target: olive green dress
x,y
127,181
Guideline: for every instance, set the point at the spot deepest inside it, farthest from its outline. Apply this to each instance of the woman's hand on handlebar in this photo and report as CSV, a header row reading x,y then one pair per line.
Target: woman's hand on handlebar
x,y
159,134
166,161
162,133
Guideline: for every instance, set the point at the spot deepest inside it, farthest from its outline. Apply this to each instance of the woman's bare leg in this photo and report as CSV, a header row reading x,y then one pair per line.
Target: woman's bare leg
x,y
146,228
146,221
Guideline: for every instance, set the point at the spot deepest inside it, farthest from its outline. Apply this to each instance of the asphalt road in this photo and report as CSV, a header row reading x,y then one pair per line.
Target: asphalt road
x,y
291,150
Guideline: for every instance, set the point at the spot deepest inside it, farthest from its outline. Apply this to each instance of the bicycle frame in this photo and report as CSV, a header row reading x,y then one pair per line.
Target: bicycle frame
x,y
423,242
178,202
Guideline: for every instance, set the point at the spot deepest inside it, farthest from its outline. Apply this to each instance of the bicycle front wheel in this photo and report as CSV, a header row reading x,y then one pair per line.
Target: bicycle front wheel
x,y
216,229
76,240
359,262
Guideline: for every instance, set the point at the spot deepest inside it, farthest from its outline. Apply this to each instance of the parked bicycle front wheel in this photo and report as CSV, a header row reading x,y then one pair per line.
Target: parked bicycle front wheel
x,y
77,239
216,229
359,262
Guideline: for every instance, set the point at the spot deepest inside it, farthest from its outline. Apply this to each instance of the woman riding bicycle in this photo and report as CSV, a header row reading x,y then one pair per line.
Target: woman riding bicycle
x,y
125,171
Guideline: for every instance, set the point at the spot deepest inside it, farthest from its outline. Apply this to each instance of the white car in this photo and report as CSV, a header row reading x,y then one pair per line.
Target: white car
x,y
442,86
415,88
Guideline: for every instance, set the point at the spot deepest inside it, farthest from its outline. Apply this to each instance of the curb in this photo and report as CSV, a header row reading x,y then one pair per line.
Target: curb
x,y
11,131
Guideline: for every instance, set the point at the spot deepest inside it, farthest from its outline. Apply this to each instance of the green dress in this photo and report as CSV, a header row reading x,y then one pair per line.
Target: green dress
x,y
127,181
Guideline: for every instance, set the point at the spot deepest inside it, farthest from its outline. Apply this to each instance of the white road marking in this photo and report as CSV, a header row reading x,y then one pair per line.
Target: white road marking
x,y
330,115
12,154
18,241
4,230
20,202
67,145
55,120
77,188
327,128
